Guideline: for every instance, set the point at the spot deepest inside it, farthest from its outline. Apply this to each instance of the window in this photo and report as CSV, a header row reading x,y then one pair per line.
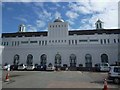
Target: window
x,y
101,41
82,40
94,40
69,42
49,41
65,40
56,25
33,41
100,25
58,40
15,43
61,40
88,59
53,26
114,40
57,59
108,41
52,41
76,42
72,41
24,42
59,25
118,41
12,43
43,59
39,42
55,40
97,26
45,42
4,43
104,41
104,58
7,43
16,59
73,60
42,42
50,25
29,59
18,43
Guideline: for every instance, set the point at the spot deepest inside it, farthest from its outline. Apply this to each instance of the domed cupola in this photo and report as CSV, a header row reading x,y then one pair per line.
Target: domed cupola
x,y
21,28
99,24
59,20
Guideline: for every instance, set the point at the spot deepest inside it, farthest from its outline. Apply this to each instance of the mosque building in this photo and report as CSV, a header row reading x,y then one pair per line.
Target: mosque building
x,y
60,46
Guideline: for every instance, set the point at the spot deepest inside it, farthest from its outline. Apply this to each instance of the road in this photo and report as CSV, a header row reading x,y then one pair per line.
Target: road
x,y
59,79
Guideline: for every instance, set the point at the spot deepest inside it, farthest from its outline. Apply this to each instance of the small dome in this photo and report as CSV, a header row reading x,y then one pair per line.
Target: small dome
x,y
99,20
59,20
22,25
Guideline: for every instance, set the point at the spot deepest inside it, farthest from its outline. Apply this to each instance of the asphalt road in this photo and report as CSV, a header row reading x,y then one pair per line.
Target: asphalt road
x,y
59,79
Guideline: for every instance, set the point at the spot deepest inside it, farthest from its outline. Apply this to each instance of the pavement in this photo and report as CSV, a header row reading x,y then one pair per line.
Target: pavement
x,y
55,79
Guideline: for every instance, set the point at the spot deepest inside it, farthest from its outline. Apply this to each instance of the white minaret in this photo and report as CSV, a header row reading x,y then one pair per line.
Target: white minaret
x,y
58,28
22,28
99,24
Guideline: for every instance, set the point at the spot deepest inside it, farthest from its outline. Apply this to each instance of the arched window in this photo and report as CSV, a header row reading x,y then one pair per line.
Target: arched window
x,y
16,59
43,59
29,59
72,60
57,59
104,58
88,60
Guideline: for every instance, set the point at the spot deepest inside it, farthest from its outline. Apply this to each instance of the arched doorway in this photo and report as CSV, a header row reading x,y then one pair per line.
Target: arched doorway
x,y
16,59
72,60
29,59
43,59
104,58
57,60
88,61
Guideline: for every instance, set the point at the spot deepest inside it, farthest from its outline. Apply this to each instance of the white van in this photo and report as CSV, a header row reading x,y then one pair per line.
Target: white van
x,y
103,67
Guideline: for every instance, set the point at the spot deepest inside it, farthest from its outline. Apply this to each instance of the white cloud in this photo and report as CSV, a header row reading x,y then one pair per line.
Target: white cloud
x,y
40,23
21,19
107,11
85,27
47,14
53,0
57,14
31,28
70,22
71,14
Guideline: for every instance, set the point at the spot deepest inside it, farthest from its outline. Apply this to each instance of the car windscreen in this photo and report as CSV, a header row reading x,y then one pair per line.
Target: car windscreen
x,y
117,69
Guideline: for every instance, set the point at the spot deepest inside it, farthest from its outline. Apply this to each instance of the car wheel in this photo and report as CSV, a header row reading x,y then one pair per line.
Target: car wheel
x,y
116,81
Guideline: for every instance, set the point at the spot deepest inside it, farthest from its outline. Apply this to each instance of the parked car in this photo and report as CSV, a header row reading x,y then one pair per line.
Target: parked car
x,y
50,67
21,67
14,67
41,67
36,65
65,67
102,67
30,67
114,74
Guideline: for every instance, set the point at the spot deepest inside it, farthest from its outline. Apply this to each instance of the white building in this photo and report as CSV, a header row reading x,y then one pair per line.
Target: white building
x,y
61,46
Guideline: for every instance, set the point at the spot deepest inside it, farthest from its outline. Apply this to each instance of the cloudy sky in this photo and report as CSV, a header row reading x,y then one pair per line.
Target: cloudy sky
x,y
80,15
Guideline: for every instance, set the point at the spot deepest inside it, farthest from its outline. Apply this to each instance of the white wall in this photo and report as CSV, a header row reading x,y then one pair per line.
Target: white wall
x,y
64,50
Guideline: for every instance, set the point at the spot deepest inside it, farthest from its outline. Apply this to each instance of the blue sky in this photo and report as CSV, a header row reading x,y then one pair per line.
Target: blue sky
x,y
37,15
